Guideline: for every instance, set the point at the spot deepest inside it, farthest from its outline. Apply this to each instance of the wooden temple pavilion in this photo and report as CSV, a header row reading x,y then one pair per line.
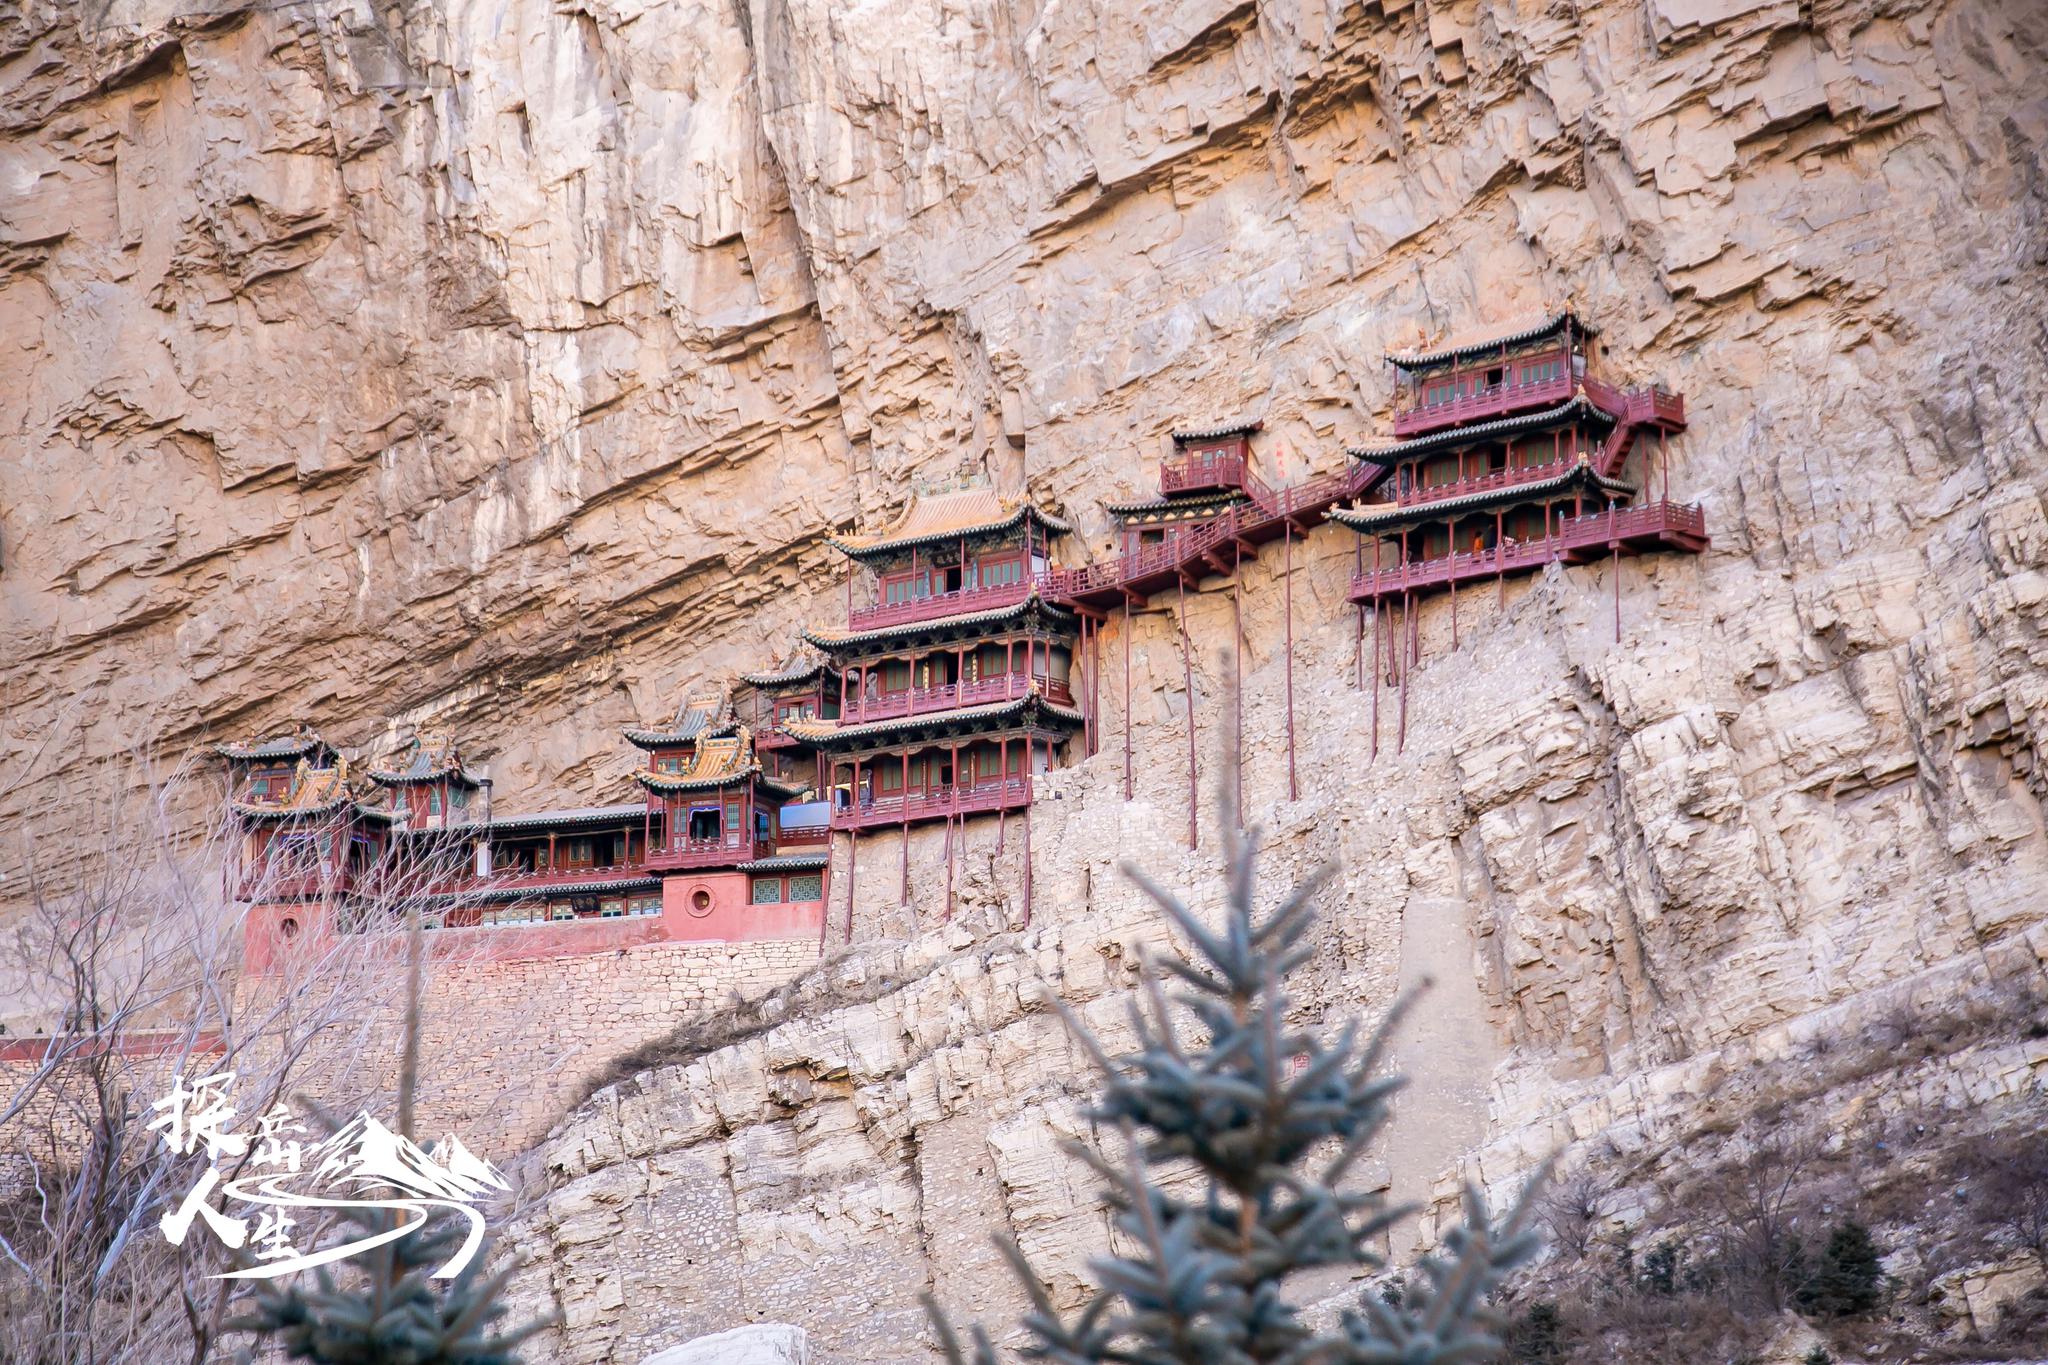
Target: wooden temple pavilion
x,y
310,827
803,687
1514,455
957,685
1209,473
711,850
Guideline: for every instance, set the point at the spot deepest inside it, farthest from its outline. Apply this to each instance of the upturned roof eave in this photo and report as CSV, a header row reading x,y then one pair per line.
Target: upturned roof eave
x,y
1366,519
1577,405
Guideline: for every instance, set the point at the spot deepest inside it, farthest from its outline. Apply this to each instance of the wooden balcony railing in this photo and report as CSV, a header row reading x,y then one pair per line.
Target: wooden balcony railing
x,y
721,851
807,836
918,701
940,605
1682,522
1259,519
1482,483
1482,401
292,884
1210,469
977,799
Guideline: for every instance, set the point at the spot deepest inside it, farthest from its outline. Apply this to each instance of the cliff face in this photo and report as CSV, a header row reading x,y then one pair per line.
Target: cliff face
x,y
500,365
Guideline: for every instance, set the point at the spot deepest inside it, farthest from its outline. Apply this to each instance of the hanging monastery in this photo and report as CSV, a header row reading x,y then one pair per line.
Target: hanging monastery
x,y
969,664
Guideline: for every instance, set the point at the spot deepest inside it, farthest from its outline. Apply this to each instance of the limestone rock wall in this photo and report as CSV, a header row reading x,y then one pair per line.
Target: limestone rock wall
x,y
499,365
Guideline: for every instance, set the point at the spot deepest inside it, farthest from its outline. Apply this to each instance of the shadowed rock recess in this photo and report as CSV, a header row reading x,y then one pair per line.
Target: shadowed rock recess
x,y
500,366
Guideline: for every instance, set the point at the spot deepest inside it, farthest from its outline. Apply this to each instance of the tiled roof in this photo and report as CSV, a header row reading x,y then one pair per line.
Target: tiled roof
x,y
305,740
826,732
1480,340
716,761
840,639
1242,428
1580,475
543,892
800,667
314,791
787,862
945,516
429,757
1166,502
1577,406
543,819
700,716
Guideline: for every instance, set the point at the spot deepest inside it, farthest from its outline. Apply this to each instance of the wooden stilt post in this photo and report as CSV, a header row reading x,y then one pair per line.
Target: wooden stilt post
x,y
1358,641
1237,664
1614,553
1408,618
1375,677
1187,673
904,895
1027,834
1287,572
1002,786
852,851
1127,695
1454,582
1095,684
1500,550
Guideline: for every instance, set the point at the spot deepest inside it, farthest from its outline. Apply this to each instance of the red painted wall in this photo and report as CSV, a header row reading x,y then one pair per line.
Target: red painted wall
x,y
699,907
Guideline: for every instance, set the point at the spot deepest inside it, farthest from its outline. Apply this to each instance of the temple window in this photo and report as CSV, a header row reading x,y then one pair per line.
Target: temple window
x,y
808,887
767,891
1000,570
706,822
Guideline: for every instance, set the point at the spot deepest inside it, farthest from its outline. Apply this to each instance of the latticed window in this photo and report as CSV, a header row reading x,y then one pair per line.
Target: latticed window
x,y
644,905
612,909
767,891
808,887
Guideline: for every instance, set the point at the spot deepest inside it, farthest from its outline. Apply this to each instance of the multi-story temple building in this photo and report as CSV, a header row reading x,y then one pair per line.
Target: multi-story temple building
x,y
951,689
971,664
1513,454
714,849
957,683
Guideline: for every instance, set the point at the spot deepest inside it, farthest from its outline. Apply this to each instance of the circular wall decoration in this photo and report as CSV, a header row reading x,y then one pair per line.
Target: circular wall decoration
x,y
288,927
700,903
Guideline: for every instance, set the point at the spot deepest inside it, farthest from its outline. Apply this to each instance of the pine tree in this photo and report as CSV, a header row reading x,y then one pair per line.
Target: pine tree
x,y
1847,1277
392,1313
1275,1121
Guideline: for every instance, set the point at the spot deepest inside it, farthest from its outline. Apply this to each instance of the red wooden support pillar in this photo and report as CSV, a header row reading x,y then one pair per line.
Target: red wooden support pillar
x,y
1453,568
1500,550
904,894
1127,695
1187,673
1614,553
1237,667
1027,833
1358,642
1408,619
1664,461
953,821
1287,541
852,847
1002,787
1095,681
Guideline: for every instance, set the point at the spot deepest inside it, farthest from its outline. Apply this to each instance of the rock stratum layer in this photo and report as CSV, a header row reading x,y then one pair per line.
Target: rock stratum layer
x,y
500,366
